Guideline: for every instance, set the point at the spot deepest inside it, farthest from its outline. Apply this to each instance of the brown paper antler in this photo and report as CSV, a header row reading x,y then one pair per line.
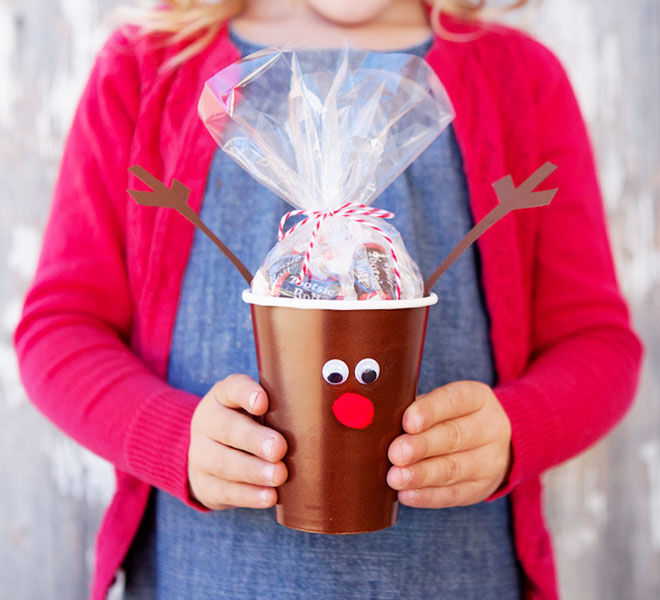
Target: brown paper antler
x,y
510,198
176,197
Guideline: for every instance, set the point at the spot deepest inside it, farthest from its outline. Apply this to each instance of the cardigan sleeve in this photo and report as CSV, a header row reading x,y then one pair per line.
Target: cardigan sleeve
x,y
72,340
582,374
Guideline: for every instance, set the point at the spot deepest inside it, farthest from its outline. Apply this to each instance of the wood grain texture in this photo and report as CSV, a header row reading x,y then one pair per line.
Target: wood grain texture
x,y
603,507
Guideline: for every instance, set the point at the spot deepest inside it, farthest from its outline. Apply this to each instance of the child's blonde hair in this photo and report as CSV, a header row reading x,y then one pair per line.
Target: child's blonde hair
x,y
200,20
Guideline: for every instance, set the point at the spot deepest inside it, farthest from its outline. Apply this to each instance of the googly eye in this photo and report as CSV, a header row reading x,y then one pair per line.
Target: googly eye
x,y
367,370
335,371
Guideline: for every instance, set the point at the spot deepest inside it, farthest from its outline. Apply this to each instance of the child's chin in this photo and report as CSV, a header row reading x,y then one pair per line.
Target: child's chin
x,y
348,12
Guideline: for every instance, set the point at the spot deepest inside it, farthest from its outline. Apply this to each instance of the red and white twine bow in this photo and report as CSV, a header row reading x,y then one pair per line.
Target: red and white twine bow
x,y
354,212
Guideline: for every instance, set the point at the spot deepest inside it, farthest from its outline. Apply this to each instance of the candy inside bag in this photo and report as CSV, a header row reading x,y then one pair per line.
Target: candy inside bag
x,y
351,260
328,130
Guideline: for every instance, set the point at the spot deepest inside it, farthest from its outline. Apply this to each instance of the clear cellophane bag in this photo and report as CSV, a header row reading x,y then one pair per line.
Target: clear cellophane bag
x,y
328,131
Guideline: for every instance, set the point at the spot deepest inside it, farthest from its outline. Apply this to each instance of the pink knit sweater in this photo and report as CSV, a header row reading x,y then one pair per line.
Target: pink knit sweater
x,y
94,339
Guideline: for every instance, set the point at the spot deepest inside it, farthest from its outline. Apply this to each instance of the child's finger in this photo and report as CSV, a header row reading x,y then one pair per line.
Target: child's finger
x,y
472,465
237,430
460,494
447,437
218,494
234,465
447,402
241,391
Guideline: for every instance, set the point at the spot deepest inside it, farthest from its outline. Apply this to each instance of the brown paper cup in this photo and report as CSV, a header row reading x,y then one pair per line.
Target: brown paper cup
x,y
339,375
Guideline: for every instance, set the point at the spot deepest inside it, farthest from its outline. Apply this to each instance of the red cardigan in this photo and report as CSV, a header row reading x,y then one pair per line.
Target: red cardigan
x,y
93,342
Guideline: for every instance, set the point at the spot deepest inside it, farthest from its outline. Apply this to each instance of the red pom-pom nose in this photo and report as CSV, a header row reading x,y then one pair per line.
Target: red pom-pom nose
x,y
353,410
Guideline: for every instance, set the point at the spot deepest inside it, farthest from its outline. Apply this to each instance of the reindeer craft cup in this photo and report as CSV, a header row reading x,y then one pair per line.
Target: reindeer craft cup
x,y
339,309
339,376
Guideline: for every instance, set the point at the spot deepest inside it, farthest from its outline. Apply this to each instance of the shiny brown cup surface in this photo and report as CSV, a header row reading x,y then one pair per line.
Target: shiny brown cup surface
x,y
337,473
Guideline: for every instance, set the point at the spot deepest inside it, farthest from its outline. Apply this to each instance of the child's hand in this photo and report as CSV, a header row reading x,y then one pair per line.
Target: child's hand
x,y
232,460
456,450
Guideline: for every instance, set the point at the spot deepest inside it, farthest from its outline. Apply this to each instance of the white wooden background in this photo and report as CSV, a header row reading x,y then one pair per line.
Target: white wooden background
x,y
603,507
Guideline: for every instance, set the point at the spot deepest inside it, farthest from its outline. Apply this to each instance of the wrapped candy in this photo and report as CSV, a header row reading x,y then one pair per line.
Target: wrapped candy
x,y
328,131
352,257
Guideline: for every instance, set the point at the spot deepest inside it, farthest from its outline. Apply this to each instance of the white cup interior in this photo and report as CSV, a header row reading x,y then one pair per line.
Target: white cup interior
x,y
250,298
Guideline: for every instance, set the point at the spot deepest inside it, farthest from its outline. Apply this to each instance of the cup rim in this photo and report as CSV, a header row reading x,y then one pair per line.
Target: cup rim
x,y
250,298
